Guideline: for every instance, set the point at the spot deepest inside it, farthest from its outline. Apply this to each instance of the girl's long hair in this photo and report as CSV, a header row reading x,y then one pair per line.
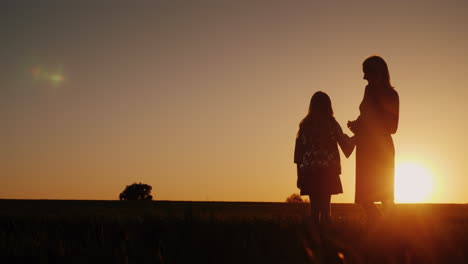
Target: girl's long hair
x,y
377,65
320,108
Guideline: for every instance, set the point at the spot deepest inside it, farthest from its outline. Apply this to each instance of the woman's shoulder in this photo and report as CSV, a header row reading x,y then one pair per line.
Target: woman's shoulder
x,y
392,94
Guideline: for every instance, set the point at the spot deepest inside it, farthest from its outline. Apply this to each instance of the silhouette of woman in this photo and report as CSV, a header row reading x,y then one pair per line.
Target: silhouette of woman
x,y
375,152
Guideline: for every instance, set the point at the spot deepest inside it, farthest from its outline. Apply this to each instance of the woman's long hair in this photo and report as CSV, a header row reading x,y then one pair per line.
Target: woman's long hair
x,y
377,65
320,108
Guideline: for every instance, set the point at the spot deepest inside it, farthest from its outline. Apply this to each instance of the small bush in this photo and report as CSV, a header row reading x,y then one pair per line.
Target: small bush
x,y
296,198
137,191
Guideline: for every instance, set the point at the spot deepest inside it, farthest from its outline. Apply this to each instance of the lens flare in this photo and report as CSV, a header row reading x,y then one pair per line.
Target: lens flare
x,y
54,77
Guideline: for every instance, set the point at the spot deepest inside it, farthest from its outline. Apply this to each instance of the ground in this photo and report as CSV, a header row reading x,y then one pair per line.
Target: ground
x,y
50,231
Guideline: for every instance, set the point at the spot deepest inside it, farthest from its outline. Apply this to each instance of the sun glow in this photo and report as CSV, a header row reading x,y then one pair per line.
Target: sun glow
x,y
413,183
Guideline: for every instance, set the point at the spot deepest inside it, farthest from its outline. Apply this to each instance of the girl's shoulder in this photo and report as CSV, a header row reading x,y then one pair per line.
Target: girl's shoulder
x,y
319,123
335,126
333,122
330,126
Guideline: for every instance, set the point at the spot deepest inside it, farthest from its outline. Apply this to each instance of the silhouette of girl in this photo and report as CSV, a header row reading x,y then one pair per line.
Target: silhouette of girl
x,y
375,152
317,157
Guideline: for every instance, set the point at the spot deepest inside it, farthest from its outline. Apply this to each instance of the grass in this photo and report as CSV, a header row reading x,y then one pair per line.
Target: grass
x,y
43,231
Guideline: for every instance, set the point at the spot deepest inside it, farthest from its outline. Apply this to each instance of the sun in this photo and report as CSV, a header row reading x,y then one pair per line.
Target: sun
x,y
413,183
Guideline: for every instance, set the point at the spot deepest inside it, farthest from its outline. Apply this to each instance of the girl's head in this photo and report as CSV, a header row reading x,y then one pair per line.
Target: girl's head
x,y
376,71
320,105
320,109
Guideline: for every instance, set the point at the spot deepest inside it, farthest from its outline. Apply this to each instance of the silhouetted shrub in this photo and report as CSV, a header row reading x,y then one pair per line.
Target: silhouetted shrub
x,y
296,198
137,191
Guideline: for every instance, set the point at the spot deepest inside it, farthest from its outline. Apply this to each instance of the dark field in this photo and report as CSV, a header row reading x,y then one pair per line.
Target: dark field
x,y
42,231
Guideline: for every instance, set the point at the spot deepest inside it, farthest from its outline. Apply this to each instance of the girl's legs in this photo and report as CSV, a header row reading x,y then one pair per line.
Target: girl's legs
x,y
320,208
325,209
314,210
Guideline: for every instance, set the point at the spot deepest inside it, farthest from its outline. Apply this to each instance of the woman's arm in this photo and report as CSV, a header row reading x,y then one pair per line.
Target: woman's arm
x,y
356,125
345,142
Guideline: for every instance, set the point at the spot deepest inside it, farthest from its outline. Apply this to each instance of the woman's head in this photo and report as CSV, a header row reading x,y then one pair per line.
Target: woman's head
x,y
376,71
320,105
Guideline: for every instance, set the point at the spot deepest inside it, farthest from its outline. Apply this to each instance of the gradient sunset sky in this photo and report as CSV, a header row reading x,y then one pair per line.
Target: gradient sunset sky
x,y
202,99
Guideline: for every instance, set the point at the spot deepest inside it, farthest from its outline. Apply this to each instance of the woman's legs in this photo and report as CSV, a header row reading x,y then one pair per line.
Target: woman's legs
x,y
371,210
388,205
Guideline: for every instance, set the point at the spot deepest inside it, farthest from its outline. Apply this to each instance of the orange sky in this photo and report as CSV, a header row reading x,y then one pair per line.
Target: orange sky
x,y
202,100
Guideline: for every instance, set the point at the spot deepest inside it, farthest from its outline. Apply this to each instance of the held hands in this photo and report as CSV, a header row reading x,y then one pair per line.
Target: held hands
x,y
353,126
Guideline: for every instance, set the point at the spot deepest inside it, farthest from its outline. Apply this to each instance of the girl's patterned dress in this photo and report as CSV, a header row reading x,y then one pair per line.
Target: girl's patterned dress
x,y
316,154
